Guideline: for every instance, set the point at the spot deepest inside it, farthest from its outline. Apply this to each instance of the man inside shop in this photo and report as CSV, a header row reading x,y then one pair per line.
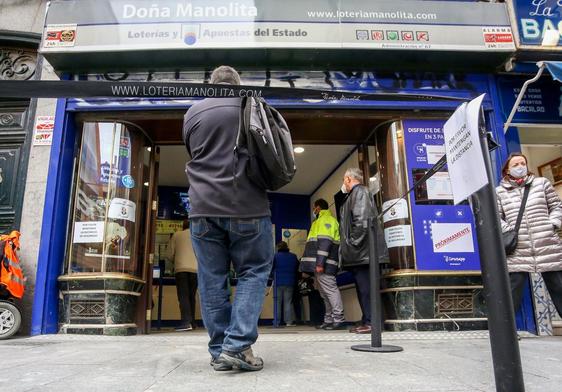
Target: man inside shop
x,y
321,259
180,253
357,208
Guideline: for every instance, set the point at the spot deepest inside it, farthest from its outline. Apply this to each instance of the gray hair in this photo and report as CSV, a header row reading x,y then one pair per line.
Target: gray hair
x,y
355,173
225,74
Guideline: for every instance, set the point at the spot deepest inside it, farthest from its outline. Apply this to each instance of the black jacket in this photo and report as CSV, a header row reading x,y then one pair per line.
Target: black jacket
x,y
210,129
355,212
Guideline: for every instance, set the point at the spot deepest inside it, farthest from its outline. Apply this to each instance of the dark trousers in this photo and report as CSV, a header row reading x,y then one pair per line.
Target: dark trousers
x,y
186,286
316,305
363,288
553,281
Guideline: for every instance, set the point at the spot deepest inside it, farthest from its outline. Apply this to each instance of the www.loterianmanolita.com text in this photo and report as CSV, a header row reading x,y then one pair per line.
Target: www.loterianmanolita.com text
x,y
179,91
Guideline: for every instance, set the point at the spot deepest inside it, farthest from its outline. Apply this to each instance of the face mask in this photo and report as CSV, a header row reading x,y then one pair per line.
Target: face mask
x,y
518,171
343,188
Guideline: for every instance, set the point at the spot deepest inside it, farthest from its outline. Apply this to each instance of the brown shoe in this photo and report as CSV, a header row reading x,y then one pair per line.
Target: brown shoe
x,y
363,329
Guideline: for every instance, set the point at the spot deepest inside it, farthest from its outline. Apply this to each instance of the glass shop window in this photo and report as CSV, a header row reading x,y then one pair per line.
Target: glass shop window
x,y
109,200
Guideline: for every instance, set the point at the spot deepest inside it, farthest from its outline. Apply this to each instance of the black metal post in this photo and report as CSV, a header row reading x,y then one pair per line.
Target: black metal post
x,y
376,304
501,319
162,267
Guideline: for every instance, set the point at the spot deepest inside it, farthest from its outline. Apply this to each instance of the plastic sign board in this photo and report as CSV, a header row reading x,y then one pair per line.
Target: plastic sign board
x,y
444,236
44,127
541,104
464,154
538,23
79,26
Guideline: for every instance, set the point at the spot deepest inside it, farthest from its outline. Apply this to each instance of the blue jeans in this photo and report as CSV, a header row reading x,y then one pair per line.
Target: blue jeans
x,y
248,245
284,298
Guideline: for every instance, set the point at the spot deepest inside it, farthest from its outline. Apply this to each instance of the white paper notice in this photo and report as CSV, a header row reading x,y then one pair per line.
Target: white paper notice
x,y
88,232
434,153
122,209
398,236
464,154
452,237
439,187
398,211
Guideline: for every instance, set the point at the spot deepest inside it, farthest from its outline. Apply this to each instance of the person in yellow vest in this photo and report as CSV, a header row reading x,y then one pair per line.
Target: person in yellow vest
x,y
180,252
321,259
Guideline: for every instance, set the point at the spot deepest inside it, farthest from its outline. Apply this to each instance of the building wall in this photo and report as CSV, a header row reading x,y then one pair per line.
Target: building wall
x,y
28,16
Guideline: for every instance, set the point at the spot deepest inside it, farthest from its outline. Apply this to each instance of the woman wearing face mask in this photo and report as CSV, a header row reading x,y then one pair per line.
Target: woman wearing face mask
x,y
538,248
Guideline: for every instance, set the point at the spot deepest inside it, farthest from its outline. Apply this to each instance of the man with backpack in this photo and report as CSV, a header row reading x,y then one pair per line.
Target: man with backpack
x,y
230,223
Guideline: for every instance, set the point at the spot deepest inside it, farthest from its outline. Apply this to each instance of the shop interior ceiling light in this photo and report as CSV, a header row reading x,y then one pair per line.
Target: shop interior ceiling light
x,y
299,150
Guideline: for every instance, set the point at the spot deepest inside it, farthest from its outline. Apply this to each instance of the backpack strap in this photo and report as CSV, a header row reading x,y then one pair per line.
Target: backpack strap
x,y
522,208
240,138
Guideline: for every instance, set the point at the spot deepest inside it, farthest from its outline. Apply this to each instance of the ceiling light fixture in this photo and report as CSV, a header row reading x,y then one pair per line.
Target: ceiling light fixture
x,y
299,150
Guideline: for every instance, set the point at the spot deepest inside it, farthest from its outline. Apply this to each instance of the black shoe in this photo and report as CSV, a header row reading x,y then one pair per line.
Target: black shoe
x,y
323,326
183,328
243,360
335,327
220,365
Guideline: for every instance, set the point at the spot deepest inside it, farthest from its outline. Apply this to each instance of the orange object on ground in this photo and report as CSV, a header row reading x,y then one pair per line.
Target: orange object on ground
x,y
11,274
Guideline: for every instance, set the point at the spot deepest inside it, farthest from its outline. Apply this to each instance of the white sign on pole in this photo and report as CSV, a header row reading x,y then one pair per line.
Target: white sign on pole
x,y
398,211
400,235
464,154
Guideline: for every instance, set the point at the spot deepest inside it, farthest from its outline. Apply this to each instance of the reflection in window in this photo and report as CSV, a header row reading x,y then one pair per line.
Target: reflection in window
x,y
109,200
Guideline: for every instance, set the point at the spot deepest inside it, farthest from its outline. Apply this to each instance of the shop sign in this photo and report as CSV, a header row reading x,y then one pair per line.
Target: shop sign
x,y
122,209
444,233
538,20
541,103
44,127
78,26
164,226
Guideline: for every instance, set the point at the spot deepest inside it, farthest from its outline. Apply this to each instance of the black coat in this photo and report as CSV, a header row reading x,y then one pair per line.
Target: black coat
x,y
355,212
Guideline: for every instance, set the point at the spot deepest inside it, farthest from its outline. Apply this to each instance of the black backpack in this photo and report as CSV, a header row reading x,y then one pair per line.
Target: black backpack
x,y
267,138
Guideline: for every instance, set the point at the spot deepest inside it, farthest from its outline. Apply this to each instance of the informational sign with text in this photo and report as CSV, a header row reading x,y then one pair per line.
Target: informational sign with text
x,y
444,234
464,153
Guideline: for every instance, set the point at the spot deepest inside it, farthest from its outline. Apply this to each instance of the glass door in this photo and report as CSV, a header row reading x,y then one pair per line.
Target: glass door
x,y
108,267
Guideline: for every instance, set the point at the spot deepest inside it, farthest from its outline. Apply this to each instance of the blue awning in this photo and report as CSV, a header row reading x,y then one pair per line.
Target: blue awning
x,y
555,69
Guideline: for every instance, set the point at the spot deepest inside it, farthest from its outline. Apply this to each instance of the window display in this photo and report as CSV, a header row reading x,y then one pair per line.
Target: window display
x,y
110,196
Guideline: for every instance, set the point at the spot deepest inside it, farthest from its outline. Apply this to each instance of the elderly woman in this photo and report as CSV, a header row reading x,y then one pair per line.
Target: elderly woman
x,y
538,248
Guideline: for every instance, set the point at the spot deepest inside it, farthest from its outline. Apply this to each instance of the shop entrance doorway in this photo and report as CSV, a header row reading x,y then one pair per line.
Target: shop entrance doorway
x,y
332,140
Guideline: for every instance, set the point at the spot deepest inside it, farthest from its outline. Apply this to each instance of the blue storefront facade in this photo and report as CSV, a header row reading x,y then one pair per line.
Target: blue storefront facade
x,y
425,288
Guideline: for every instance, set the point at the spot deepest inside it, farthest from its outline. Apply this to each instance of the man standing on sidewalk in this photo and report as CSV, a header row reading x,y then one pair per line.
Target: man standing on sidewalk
x,y
321,259
180,252
358,207
230,223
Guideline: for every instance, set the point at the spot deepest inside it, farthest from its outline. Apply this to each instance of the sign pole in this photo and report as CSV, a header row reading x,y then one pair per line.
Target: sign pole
x,y
376,345
501,319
